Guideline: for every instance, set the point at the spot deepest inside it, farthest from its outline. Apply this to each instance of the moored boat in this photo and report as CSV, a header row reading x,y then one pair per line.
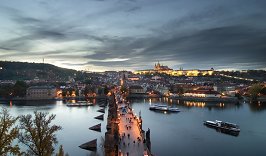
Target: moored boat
x,y
172,109
226,126
163,108
79,104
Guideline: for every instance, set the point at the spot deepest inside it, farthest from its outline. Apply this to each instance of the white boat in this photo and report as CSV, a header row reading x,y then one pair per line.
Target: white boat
x,y
226,126
172,109
163,108
158,107
79,104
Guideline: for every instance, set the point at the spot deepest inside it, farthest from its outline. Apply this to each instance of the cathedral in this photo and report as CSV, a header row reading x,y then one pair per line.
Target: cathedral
x,y
159,67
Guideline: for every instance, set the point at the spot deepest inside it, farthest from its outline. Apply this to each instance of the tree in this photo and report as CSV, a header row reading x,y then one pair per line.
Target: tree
x,y
6,91
254,91
38,134
8,133
20,89
88,81
123,89
61,151
106,90
263,91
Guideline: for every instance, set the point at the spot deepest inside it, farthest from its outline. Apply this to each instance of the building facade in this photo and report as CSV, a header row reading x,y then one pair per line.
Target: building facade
x,y
41,92
136,90
158,68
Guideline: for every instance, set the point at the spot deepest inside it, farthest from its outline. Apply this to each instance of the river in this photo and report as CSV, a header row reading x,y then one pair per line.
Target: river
x,y
172,134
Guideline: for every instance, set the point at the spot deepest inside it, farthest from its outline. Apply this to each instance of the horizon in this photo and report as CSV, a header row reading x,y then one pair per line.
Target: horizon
x,y
128,70
101,35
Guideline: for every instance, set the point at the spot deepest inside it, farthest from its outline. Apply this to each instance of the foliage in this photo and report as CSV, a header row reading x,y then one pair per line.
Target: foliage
x,y
88,81
8,133
6,91
123,89
238,95
29,71
100,90
89,89
38,134
263,91
17,90
106,90
61,151
20,89
254,90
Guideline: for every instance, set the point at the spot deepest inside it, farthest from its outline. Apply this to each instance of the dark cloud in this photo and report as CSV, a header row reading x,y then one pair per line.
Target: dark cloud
x,y
230,45
207,34
110,64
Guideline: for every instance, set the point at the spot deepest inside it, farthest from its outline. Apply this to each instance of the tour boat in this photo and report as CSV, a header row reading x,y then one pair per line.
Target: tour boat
x,y
79,104
172,109
163,108
226,126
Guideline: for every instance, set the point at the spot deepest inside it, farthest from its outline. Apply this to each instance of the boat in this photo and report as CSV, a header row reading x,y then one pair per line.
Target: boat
x,y
82,101
79,104
163,108
172,109
224,127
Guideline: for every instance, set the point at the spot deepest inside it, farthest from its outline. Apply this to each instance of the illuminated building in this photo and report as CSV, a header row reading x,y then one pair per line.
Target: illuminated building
x,y
158,68
133,78
202,93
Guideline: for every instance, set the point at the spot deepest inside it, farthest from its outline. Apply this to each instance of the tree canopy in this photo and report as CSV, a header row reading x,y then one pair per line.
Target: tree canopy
x,y
254,90
8,133
38,134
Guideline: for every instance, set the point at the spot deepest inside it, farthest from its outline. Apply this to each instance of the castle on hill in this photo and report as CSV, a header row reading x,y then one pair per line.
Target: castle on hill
x,y
158,68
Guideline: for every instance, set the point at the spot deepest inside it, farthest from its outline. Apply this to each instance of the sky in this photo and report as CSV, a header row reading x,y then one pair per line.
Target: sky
x,y
99,35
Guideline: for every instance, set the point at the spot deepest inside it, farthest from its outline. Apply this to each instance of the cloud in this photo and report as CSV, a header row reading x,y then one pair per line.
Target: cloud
x,y
135,34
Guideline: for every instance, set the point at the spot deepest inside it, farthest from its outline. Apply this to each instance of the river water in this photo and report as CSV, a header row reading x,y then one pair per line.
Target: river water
x,y
172,134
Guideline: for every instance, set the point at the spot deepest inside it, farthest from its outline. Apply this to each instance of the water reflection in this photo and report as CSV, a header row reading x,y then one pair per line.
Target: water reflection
x,y
194,104
30,103
257,106
190,104
185,130
75,122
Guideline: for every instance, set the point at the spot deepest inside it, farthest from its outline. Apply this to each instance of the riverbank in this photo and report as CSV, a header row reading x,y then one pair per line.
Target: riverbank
x,y
206,99
53,99
144,96
187,98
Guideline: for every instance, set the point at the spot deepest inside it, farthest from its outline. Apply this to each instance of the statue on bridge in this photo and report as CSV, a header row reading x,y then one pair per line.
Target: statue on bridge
x,y
148,139
148,134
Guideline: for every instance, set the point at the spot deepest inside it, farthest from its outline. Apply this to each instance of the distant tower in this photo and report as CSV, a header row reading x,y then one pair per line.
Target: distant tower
x,y
122,79
43,60
157,66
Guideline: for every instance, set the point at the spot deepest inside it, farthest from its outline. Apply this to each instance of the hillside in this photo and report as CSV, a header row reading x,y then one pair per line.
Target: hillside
x,y
259,75
29,71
